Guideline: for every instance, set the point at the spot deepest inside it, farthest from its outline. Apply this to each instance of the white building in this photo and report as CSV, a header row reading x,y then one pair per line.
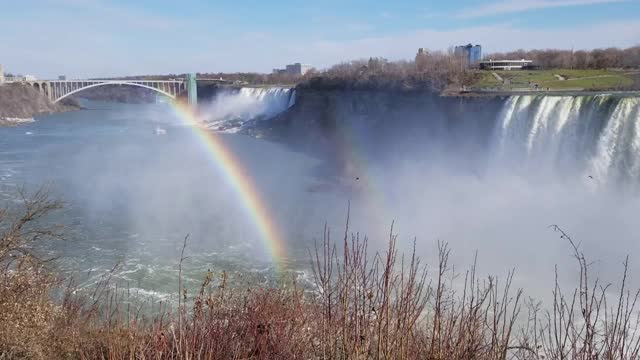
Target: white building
x,y
19,78
505,64
1,74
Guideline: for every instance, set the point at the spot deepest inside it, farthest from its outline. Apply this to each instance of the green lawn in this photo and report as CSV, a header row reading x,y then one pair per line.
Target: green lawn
x,y
574,79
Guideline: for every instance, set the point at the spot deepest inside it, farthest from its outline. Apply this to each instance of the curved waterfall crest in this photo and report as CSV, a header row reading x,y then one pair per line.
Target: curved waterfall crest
x,y
597,135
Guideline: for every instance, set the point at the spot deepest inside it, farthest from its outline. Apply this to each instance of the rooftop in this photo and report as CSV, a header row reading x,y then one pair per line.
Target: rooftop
x,y
490,61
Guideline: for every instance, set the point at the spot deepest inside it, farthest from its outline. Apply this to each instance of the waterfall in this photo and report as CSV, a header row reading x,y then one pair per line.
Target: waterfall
x,y
598,136
231,110
618,149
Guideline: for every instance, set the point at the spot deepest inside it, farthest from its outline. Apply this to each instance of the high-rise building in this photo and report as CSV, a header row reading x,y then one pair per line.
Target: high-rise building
x,y
471,53
298,69
1,74
294,69
422,59
475,54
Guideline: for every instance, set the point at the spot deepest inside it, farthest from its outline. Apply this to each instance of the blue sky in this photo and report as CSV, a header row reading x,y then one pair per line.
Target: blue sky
x,y
83,38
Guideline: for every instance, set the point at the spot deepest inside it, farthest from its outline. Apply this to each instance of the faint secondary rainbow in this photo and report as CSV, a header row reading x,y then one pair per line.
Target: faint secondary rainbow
x,y
238,178
353,154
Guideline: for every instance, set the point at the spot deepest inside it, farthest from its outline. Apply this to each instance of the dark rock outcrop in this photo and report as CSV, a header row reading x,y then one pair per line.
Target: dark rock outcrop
x,y
384,123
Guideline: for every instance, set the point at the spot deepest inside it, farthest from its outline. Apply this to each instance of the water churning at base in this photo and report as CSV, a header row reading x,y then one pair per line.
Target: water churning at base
x,y
231,110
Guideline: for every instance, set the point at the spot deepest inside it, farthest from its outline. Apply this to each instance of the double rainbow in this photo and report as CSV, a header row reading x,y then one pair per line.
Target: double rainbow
x,y
238,178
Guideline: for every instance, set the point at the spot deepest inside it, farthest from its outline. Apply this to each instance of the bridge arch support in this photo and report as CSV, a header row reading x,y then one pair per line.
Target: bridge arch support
x,y
128,83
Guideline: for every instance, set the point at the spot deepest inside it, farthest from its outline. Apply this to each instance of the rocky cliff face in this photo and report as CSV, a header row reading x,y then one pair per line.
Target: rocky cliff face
x,y
21,101
385,123
595,135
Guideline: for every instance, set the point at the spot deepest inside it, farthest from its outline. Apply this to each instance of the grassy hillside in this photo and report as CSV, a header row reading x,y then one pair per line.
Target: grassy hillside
x,y
556,79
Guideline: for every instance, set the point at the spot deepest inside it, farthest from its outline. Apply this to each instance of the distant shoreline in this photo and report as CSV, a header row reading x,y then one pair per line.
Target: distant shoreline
x,y
15,121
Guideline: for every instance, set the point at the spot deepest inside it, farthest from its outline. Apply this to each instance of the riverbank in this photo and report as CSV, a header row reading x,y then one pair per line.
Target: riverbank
x,y
20,103
15,121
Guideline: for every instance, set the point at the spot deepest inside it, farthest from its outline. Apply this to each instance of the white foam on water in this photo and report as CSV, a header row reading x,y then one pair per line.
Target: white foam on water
x,y
232,110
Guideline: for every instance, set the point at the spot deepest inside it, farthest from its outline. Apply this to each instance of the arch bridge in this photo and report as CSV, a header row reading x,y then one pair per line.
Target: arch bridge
x,y
56,90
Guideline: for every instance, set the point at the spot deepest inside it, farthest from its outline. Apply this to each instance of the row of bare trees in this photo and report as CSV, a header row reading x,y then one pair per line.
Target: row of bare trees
x,y
440,70
253,78
259,78
580,59
436,70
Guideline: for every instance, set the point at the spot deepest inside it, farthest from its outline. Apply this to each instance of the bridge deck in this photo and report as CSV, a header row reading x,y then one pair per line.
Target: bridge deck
x,y
57,90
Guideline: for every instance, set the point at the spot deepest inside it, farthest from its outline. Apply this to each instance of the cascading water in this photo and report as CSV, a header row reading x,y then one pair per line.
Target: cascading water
x,y
233,109
598,136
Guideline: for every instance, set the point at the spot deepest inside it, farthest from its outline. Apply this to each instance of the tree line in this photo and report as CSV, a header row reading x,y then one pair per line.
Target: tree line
x,y
253,78
433,69
441,69
580,59
257,78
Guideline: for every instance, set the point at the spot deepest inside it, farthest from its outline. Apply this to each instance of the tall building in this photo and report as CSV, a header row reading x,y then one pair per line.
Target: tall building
x,y
1,74
298,69
294,69
471,53
422,59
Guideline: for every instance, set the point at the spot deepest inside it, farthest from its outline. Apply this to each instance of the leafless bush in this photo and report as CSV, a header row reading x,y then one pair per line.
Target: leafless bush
x,y
21,229
430,70
383,307
364,305
26,309
585,323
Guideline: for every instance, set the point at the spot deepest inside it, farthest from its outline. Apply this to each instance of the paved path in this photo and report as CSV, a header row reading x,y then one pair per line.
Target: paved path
x,y
495,75
560,77
592,77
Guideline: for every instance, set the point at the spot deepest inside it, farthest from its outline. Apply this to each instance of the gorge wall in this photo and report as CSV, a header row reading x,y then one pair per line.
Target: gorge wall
x,y
596,135
21,101
384,124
